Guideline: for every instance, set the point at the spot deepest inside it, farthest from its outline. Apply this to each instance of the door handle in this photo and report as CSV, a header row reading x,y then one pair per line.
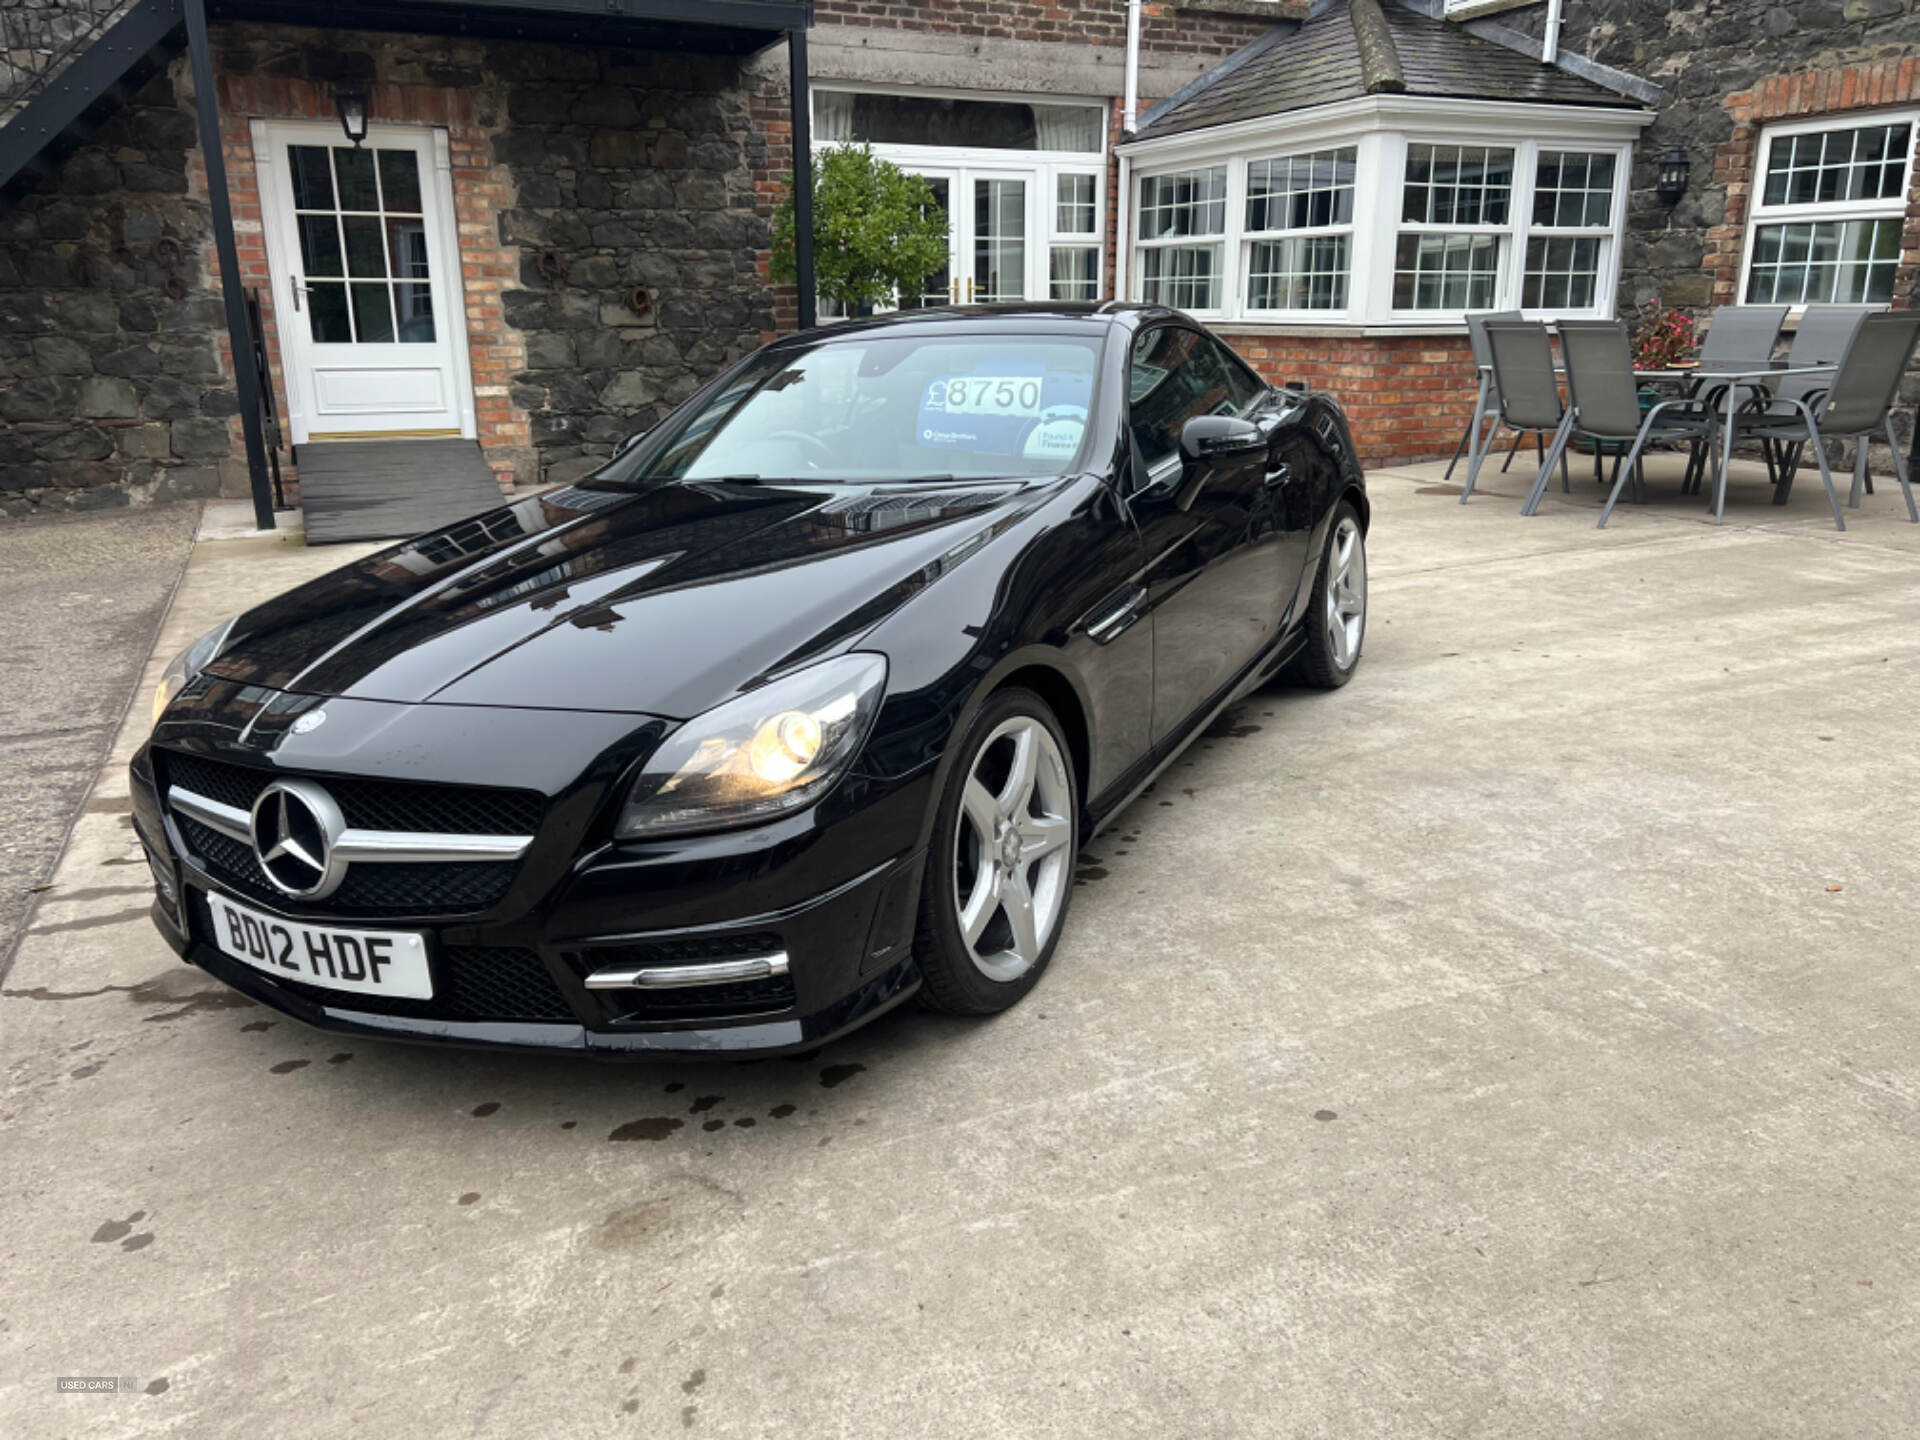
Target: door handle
x,y
970,289
1277,475
299,289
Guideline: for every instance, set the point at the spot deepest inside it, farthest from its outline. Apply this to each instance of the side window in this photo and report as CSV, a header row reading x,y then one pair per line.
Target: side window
x,y
1176,375
1242,385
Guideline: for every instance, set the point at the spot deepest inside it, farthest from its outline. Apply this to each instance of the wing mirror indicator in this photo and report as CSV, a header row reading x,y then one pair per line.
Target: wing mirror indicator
x,y
1216,437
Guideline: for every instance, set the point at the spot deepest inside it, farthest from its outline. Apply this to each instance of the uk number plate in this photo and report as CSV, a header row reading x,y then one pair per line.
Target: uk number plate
x,y
367,962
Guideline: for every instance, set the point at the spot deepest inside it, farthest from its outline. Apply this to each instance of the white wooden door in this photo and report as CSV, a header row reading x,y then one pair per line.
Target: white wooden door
x,y
366,281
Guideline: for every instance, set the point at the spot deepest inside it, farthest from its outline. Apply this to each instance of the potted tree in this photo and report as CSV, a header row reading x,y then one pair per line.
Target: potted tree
x,y
878,232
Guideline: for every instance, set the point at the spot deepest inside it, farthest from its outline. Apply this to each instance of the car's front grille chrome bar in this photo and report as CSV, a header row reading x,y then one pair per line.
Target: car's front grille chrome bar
x,y
680,977
390,847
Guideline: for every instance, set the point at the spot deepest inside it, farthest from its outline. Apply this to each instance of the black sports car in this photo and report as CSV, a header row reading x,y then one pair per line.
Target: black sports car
x,y
803,704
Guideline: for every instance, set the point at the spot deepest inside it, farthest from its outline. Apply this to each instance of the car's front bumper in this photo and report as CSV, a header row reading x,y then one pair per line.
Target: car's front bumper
x,y
834,889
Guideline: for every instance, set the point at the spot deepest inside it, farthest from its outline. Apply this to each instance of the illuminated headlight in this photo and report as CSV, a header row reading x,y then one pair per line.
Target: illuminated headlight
x,y
188,664
770,752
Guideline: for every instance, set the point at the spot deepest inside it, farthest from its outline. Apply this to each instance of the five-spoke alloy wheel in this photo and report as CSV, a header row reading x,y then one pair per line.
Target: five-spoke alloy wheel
x,y
1000,871
1338,627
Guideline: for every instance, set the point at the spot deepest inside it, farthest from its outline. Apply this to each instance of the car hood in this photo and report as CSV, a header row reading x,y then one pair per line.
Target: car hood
x,y
664,602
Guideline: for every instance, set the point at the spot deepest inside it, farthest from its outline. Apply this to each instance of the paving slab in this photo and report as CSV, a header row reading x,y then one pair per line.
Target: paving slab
x,y
1518,1042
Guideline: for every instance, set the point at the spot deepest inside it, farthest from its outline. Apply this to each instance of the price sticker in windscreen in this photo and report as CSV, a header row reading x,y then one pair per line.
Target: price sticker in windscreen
x,y
986,395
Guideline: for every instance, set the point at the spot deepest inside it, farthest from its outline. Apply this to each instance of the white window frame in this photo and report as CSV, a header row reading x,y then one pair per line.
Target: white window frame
x,y
1240,278
1041,169
1381,128
1761,215
1220,242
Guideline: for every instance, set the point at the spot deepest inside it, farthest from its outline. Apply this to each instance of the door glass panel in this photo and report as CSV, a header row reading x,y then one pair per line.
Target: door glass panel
x,y
938,289
319,245
354,171
327,307
345,229
399,180
999,241
312,177
366,255
372,315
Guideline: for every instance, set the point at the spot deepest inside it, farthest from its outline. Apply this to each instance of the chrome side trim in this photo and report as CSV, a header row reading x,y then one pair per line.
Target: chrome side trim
x,y
678,977
234,824
389,847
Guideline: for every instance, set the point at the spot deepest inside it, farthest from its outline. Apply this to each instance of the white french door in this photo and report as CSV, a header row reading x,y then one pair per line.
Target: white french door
x,y
992,220
366,281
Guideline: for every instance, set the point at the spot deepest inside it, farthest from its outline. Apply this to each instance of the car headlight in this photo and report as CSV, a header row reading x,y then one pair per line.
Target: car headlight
x,y
188,664
767,753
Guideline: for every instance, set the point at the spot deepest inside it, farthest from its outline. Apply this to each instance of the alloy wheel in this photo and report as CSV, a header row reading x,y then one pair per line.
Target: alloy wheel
x,y
1013,848
1346,593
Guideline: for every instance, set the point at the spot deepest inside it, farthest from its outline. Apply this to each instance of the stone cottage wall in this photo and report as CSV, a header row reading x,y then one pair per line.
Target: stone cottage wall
x,y
112,389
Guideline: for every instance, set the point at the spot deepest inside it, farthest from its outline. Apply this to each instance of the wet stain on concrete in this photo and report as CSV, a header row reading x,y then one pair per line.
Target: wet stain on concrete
x,y
1325,1115
654,1127
287,1067
468,1198
687,1412
114,1230
629,1407
1091,872
137,1242
98,892
780,1112
484,1109
712,1125
92,922
568,1124
110,805
626,1365
674,1087
341,1058
745,1122
693,1382
704,1104
834,1075
87,1071
175,987
255,1025
716,1292
158,1387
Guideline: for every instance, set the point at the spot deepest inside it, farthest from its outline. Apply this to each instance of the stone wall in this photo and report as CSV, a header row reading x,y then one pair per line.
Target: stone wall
x,y
112,389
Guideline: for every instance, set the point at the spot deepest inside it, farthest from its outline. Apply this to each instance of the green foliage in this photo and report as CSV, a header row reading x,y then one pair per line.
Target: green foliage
x,y
877,231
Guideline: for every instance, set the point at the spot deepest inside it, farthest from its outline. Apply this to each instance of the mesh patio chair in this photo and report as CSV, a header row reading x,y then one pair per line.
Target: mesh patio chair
x,y
1487,400
1605,407
1857,405
1825,334
1740,334
1522,358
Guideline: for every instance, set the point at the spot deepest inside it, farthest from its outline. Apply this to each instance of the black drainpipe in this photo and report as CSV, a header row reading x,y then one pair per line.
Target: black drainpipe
x,y
802,175
231,290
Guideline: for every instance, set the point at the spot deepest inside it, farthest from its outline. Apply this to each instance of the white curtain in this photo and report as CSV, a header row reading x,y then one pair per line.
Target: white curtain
x,y
1067,127
832,116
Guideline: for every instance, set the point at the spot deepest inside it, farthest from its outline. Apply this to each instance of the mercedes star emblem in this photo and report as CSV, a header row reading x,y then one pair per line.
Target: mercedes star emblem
x,y
296,826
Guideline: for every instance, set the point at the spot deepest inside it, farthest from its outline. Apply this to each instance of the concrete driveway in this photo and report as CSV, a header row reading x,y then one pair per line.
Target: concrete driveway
x,y
81,599
1519,1042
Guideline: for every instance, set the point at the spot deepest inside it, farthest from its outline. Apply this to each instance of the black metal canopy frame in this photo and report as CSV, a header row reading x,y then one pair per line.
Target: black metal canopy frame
x,y
151,32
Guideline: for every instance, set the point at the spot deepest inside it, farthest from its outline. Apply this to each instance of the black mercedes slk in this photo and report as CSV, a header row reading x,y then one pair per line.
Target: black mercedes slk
x,y
800,707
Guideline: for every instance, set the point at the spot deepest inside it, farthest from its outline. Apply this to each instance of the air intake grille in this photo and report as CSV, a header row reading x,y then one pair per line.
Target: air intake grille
x,y
369,804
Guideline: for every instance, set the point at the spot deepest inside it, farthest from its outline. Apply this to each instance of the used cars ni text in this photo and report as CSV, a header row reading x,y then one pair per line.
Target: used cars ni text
x,y
801,706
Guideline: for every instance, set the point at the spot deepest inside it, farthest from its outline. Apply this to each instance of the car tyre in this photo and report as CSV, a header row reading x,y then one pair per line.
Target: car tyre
x,y
1337,610
1000,866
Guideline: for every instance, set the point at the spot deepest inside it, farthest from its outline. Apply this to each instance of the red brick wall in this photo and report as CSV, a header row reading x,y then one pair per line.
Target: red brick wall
x,y
1408,396
1166,28
479,192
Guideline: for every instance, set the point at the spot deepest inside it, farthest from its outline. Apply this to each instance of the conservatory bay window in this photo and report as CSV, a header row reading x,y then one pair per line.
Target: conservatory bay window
x,y
1572,224
1182,229
1828,213
1455,227
1299,231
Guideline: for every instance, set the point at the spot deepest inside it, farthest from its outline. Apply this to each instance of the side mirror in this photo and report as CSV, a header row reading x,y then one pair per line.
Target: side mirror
x,y
1215,437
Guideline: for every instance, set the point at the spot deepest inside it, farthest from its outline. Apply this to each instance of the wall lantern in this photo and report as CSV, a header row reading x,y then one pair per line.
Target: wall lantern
x,y
352,103
1674,169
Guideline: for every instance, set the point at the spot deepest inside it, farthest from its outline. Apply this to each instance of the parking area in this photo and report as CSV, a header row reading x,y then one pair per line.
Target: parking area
x,y
1516,1042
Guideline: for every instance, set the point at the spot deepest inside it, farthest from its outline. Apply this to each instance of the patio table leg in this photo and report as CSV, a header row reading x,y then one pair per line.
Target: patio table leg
x,y
1859,473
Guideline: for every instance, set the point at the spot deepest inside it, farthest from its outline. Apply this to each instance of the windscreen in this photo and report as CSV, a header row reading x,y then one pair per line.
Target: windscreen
x,y
893,409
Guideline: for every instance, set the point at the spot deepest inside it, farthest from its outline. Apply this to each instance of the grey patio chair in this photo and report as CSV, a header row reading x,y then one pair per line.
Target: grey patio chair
x,y
1605,406
1857,405
1522,357
1487,402
1825,334
1740,334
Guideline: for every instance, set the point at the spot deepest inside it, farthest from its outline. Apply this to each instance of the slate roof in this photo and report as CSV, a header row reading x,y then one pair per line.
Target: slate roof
x,y
1317,62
